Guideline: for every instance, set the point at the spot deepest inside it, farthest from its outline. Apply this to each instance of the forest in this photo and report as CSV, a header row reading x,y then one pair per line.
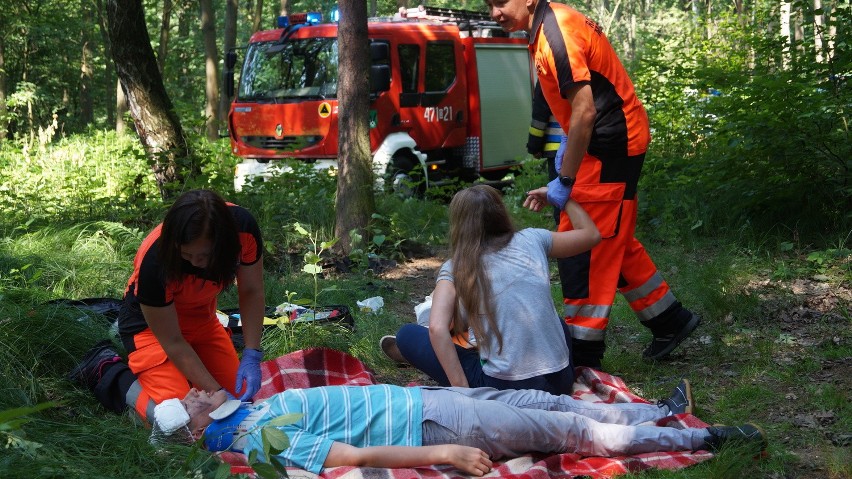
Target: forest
x,y
745,203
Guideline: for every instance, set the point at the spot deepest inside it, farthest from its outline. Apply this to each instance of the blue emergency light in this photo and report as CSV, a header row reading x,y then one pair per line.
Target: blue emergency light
x,y
310,18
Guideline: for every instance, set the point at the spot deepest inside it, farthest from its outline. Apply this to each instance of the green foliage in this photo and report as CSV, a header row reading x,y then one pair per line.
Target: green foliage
x,y
11,422
313,257
739,141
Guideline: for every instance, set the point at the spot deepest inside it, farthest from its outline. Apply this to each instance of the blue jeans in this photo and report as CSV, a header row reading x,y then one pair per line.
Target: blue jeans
x,y
414,344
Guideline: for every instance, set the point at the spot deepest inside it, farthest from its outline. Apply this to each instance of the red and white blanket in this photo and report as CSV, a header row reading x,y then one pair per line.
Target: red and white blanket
x,y
327,367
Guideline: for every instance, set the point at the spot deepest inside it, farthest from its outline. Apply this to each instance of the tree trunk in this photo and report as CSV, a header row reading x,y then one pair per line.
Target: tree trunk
x,y
355,200
109,72
120,108
818,32
153,114
87,113
4,122
165,26
211,66
257,20
230,41
786,6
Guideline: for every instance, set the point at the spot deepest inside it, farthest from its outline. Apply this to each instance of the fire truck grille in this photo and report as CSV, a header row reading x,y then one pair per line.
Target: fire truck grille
x,y
287,143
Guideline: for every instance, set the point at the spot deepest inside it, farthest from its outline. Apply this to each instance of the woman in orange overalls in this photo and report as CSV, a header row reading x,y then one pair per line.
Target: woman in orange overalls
x,y
168,321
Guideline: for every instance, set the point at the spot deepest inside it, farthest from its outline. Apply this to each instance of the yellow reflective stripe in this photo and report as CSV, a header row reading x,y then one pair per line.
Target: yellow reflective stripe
x,y
536,132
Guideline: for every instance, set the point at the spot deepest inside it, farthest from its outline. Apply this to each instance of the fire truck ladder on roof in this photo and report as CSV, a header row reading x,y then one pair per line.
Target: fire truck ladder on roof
x,y
469,20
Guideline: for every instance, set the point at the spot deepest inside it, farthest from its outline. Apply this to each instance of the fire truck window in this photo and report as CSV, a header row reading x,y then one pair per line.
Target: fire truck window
x,y
409,59
440,66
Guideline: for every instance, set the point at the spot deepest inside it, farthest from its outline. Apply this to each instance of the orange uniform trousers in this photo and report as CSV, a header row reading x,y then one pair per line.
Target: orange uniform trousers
x,y
619,262
159,379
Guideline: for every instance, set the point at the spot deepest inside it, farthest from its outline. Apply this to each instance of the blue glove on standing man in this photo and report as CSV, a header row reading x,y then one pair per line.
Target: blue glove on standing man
x,y
559,190
558,193
563,143
249,371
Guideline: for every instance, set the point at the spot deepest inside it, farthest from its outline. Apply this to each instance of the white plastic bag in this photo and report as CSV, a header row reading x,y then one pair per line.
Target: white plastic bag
x,y
371,305
422,311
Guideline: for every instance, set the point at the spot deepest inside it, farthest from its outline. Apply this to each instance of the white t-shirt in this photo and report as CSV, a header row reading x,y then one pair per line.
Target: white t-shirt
x,y
533,338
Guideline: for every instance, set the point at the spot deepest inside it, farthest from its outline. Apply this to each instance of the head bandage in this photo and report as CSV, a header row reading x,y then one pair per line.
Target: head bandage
x,y
170,416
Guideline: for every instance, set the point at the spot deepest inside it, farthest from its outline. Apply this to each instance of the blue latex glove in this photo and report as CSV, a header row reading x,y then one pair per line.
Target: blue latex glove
x,y
560,153
557,194
249,372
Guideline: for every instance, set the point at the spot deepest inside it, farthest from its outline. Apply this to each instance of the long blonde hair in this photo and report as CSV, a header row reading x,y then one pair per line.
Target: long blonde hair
x,y
479,224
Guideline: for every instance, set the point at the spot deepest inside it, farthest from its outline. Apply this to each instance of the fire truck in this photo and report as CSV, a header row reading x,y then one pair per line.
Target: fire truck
x,y
450,98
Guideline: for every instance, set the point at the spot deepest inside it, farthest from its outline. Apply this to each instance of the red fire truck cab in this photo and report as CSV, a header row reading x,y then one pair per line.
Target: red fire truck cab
x,y
450,98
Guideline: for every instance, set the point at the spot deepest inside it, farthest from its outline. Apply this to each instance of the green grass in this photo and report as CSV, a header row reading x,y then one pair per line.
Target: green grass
x,y
75,220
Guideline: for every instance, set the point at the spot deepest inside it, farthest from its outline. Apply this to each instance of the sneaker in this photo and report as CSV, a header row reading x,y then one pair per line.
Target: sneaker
x,y
391,350
661,346
748,435
89,371
680,401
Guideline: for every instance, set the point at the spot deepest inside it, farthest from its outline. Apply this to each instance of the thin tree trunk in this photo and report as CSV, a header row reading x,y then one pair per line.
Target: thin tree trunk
x,y
229,43
165,26
355,200
257,19
87,114
818,32
211,67
109,70
785,32
153,114
4,123
120,108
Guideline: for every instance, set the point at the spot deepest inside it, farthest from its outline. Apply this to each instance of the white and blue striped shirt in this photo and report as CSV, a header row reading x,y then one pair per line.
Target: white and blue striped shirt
x,y
361,416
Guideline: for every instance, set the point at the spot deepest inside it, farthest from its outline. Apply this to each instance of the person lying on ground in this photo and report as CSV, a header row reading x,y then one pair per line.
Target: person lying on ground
x,y
469,428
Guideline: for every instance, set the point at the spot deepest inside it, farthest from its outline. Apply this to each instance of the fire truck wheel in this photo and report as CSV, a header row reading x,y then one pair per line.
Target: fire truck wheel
x,y
403,178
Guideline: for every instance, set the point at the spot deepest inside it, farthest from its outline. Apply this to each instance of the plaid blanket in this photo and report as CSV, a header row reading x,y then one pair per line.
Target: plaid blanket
x,y
326,367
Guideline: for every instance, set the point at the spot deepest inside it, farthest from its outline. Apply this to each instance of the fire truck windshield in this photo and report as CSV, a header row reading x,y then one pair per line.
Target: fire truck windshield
x,y
301,70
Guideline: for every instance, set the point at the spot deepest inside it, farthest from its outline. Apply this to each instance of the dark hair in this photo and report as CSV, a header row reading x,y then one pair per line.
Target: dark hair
x,y
200,214
479,223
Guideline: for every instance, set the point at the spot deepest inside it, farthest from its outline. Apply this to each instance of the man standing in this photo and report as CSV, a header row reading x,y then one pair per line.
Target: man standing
x,y
594,100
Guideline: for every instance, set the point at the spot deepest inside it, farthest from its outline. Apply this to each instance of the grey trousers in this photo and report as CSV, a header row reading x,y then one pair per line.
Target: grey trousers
x,y
511,423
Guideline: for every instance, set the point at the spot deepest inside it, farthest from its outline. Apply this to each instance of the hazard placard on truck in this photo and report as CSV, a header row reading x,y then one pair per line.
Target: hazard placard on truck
x,y
450,98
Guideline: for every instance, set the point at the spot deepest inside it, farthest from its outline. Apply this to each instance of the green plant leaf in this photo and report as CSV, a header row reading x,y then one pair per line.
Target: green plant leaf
x,y
328,244
223,471
312,269
286,419
312,258
301,230
378,240
277,439
264,470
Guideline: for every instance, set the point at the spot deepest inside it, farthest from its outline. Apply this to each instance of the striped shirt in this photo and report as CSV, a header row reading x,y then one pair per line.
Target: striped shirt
x,y
361,416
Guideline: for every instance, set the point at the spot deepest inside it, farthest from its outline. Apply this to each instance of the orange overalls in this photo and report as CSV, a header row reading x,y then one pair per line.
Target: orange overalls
x,y
569,49
195,300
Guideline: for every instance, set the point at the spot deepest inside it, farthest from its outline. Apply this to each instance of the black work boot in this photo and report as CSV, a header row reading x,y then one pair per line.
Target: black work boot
x,y
90,369
749,436
587,353
669,328
680,401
